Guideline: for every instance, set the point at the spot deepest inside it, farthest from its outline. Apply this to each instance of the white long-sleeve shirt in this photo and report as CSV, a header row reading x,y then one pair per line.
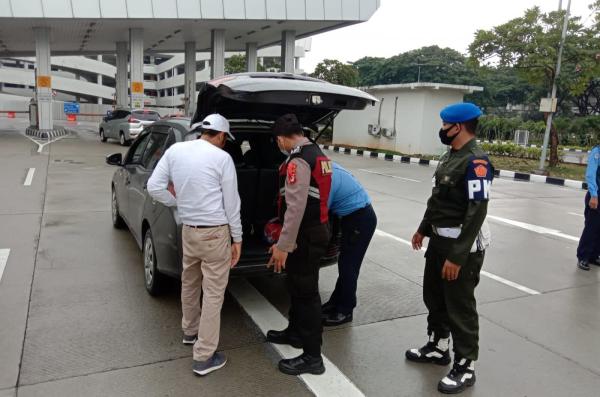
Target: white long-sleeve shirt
x,y
205,183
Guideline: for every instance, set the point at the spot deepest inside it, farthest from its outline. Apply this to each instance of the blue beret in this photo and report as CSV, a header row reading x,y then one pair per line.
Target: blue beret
x,y
460,112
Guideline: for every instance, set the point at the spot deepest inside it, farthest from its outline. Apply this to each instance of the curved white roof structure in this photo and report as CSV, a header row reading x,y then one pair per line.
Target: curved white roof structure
x,y
94,26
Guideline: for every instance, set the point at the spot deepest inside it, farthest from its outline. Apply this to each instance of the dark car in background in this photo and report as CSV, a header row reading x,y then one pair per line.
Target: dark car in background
x,y
251,102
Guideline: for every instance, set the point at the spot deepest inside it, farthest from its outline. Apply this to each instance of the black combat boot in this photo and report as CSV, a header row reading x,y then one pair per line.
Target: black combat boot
x,y
435,351
304,364
459,378
284,337
583,265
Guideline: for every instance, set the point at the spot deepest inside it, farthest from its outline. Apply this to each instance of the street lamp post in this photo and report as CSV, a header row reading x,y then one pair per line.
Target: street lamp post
x,y
553,95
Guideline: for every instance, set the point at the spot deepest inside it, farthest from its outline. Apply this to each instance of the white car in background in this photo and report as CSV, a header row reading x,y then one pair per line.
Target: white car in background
x,y
125,125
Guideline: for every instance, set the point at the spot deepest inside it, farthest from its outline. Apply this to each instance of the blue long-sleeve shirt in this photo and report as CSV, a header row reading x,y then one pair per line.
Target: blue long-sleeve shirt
x,y
591,172
347,194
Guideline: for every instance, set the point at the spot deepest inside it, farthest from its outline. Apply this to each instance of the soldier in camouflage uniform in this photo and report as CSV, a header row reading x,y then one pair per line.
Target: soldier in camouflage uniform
x,y
453,221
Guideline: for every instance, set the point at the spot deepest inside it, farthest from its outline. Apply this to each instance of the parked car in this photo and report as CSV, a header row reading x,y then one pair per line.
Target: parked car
x,y
251,102
125,125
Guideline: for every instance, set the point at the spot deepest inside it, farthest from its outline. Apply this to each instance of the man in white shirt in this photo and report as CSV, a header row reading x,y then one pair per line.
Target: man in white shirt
x,y
200,179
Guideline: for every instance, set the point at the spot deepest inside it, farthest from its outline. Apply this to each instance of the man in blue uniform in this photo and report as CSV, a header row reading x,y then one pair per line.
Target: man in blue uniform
x,y
589,243
348,200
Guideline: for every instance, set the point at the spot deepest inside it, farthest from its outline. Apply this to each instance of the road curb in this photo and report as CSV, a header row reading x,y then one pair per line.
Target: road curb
x,y
517,176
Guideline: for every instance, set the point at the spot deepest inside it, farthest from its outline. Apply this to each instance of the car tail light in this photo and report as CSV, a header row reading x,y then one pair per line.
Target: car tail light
x,y
131,120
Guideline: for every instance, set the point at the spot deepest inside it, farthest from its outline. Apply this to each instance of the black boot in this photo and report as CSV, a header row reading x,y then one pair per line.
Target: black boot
x,y
459,378
334,318
583,265
435,351
304,364
284,337
327,308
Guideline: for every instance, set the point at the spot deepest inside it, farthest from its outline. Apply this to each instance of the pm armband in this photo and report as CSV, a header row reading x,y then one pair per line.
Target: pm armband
x,y
479,176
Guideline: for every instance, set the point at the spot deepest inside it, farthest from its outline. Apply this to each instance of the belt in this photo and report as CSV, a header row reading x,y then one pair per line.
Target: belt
x,y
448,232
359,211
203,226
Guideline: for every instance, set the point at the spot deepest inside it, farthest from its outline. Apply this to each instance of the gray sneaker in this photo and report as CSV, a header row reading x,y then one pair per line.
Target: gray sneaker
x,y
189,339
217,361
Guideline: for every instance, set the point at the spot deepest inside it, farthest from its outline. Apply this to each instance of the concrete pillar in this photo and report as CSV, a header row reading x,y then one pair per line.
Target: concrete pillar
x,y
251,57
44,80
121,78
136,67
217,53
99,79
288,47
190,78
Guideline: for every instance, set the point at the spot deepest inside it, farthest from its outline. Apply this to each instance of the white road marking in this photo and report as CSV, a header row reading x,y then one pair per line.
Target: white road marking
x,y
510,283
499,279
4,252
40,144
389,176
534,228
266,317
29,177
575,213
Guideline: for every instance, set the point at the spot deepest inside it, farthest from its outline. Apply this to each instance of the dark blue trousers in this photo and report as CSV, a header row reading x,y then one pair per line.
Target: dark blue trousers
x,y
589,243
357,230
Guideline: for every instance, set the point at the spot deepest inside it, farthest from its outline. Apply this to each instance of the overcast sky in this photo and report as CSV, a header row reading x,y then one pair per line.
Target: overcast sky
x,y
403,25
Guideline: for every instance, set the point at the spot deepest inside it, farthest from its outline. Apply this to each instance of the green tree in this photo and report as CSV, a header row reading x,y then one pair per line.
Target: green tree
x,y
237,64
445,65
368,70
336,72
530,45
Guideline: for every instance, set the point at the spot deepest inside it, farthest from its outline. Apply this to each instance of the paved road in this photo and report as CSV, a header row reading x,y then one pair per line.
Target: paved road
x,y
76,320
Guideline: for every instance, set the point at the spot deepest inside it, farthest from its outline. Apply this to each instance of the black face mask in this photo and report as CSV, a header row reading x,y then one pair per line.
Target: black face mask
x,y
447,140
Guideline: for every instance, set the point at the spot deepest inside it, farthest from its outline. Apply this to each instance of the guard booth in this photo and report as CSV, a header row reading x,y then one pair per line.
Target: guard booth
x,y
405,120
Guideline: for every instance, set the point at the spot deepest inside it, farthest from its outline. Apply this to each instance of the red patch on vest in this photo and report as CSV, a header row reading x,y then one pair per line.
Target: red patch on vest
x,y
291,173
481,171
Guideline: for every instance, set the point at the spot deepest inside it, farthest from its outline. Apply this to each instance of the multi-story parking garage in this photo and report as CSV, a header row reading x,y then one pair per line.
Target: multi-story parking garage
x,y
91,79
132,31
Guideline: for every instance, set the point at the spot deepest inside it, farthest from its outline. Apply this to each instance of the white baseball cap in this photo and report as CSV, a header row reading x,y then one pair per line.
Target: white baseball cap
x,y
214,122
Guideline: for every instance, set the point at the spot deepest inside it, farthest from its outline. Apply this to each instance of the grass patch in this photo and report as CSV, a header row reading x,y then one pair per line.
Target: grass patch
x,y
563,170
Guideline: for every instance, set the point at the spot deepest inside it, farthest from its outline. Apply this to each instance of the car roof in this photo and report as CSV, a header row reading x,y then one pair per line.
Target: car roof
x,y
179,122
144,110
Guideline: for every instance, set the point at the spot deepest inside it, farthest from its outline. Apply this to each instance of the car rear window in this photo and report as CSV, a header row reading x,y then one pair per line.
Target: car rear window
x,y
146,116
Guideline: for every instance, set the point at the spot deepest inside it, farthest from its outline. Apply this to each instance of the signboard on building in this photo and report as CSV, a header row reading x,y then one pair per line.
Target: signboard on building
x,y
137,87
71,108
44,81
548,105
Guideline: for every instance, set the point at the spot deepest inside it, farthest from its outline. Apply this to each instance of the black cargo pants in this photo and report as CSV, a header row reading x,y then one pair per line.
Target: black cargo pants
x,y
302,269
451,304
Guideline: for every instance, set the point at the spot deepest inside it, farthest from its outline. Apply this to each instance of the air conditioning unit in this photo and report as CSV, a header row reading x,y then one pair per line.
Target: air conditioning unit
x,y
374,130
388,133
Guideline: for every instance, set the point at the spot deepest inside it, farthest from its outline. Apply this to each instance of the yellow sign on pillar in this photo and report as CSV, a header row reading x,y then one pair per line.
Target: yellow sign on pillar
x,y
44,81
137,87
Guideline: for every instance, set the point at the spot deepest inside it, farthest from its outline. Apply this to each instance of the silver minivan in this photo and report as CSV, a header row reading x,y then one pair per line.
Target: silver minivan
x,y
125,125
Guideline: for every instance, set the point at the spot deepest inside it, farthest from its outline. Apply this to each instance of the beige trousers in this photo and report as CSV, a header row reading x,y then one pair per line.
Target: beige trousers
x,y
206,264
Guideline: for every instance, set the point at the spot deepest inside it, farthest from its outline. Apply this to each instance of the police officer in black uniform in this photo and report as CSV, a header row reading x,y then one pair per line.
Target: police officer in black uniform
x,y
453,221
305,183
